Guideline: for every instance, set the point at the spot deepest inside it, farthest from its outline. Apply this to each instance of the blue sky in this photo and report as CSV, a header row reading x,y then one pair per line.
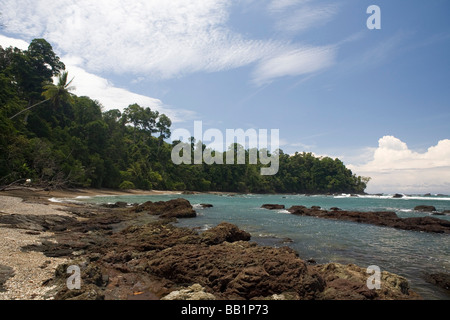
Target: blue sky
x,y
377,99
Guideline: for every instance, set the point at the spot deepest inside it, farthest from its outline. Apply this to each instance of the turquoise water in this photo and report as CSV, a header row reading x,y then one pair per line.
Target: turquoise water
x,y
407,253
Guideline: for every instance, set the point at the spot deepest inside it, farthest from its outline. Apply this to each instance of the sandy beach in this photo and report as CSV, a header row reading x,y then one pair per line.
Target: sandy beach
x,y
29,269
23,273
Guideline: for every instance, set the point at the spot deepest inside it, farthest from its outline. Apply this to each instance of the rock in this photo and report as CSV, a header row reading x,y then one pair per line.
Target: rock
x,y
335,209
316,208
397,196
425,208
440,279
36,223
194,292
384,219
177,208
116,205
5,274
224,232
206,205
158,258
273,206
349,282
239,270
446,212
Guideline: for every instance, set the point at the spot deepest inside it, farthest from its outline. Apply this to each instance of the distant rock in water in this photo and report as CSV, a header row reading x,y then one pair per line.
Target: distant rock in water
x,y
206,205
115,205
397,196
273,206
425,208
177,208
383,219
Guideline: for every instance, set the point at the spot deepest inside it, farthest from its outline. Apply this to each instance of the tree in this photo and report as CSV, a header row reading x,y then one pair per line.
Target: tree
x,y
60,92
54,93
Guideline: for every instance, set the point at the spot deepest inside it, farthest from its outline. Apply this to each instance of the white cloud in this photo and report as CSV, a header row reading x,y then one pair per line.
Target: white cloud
x,y
281,5
6,42
159,39
396,168
299,15
293,63
307,17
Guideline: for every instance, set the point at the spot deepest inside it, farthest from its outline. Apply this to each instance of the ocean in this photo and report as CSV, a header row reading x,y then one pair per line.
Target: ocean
x,y
410,254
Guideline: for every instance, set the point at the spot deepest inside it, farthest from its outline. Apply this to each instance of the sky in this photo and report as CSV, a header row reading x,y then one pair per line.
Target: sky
x,y
378,99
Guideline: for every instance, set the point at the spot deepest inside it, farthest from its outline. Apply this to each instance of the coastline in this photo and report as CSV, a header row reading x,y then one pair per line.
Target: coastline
x,y
83,233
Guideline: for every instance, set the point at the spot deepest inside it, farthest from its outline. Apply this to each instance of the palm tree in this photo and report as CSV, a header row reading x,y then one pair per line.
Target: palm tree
x,y
54,93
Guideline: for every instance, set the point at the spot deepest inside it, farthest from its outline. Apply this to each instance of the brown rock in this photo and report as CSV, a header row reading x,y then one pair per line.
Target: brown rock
x,y
385,219
224,232
350,283
440,279
273,206
177,208
425,208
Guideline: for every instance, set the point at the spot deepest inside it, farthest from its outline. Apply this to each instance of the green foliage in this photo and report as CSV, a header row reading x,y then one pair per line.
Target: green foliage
x,y
58,139
127,185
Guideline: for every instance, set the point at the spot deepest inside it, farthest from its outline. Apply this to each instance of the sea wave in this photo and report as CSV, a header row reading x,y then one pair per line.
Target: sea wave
x,y
391,196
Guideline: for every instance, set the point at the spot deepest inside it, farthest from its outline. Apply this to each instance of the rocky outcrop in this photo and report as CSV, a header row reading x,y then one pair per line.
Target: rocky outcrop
x,y
178,208
158,260
349,282
273,206
384,219
224,232
424,208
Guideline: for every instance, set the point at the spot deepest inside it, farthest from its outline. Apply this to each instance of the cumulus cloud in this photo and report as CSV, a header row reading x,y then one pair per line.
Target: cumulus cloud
x,y
395,168
161,39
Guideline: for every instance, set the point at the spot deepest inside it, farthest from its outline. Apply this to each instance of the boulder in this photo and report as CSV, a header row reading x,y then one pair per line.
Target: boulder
x,y
424,208
206,205
273,206
177,208
224,232
397,196
195,292
349,282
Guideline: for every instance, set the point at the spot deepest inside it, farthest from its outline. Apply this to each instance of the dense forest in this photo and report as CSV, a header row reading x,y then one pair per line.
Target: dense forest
x,y
55,139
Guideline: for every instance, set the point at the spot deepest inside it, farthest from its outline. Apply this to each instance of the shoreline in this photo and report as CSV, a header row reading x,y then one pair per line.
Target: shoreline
x,y
26,203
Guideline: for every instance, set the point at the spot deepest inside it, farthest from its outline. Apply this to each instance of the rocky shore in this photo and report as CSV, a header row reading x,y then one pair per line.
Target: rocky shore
x,y
383,219
136,253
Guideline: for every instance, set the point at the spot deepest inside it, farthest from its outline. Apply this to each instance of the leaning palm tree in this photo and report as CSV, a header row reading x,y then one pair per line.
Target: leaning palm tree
x,y
54,93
